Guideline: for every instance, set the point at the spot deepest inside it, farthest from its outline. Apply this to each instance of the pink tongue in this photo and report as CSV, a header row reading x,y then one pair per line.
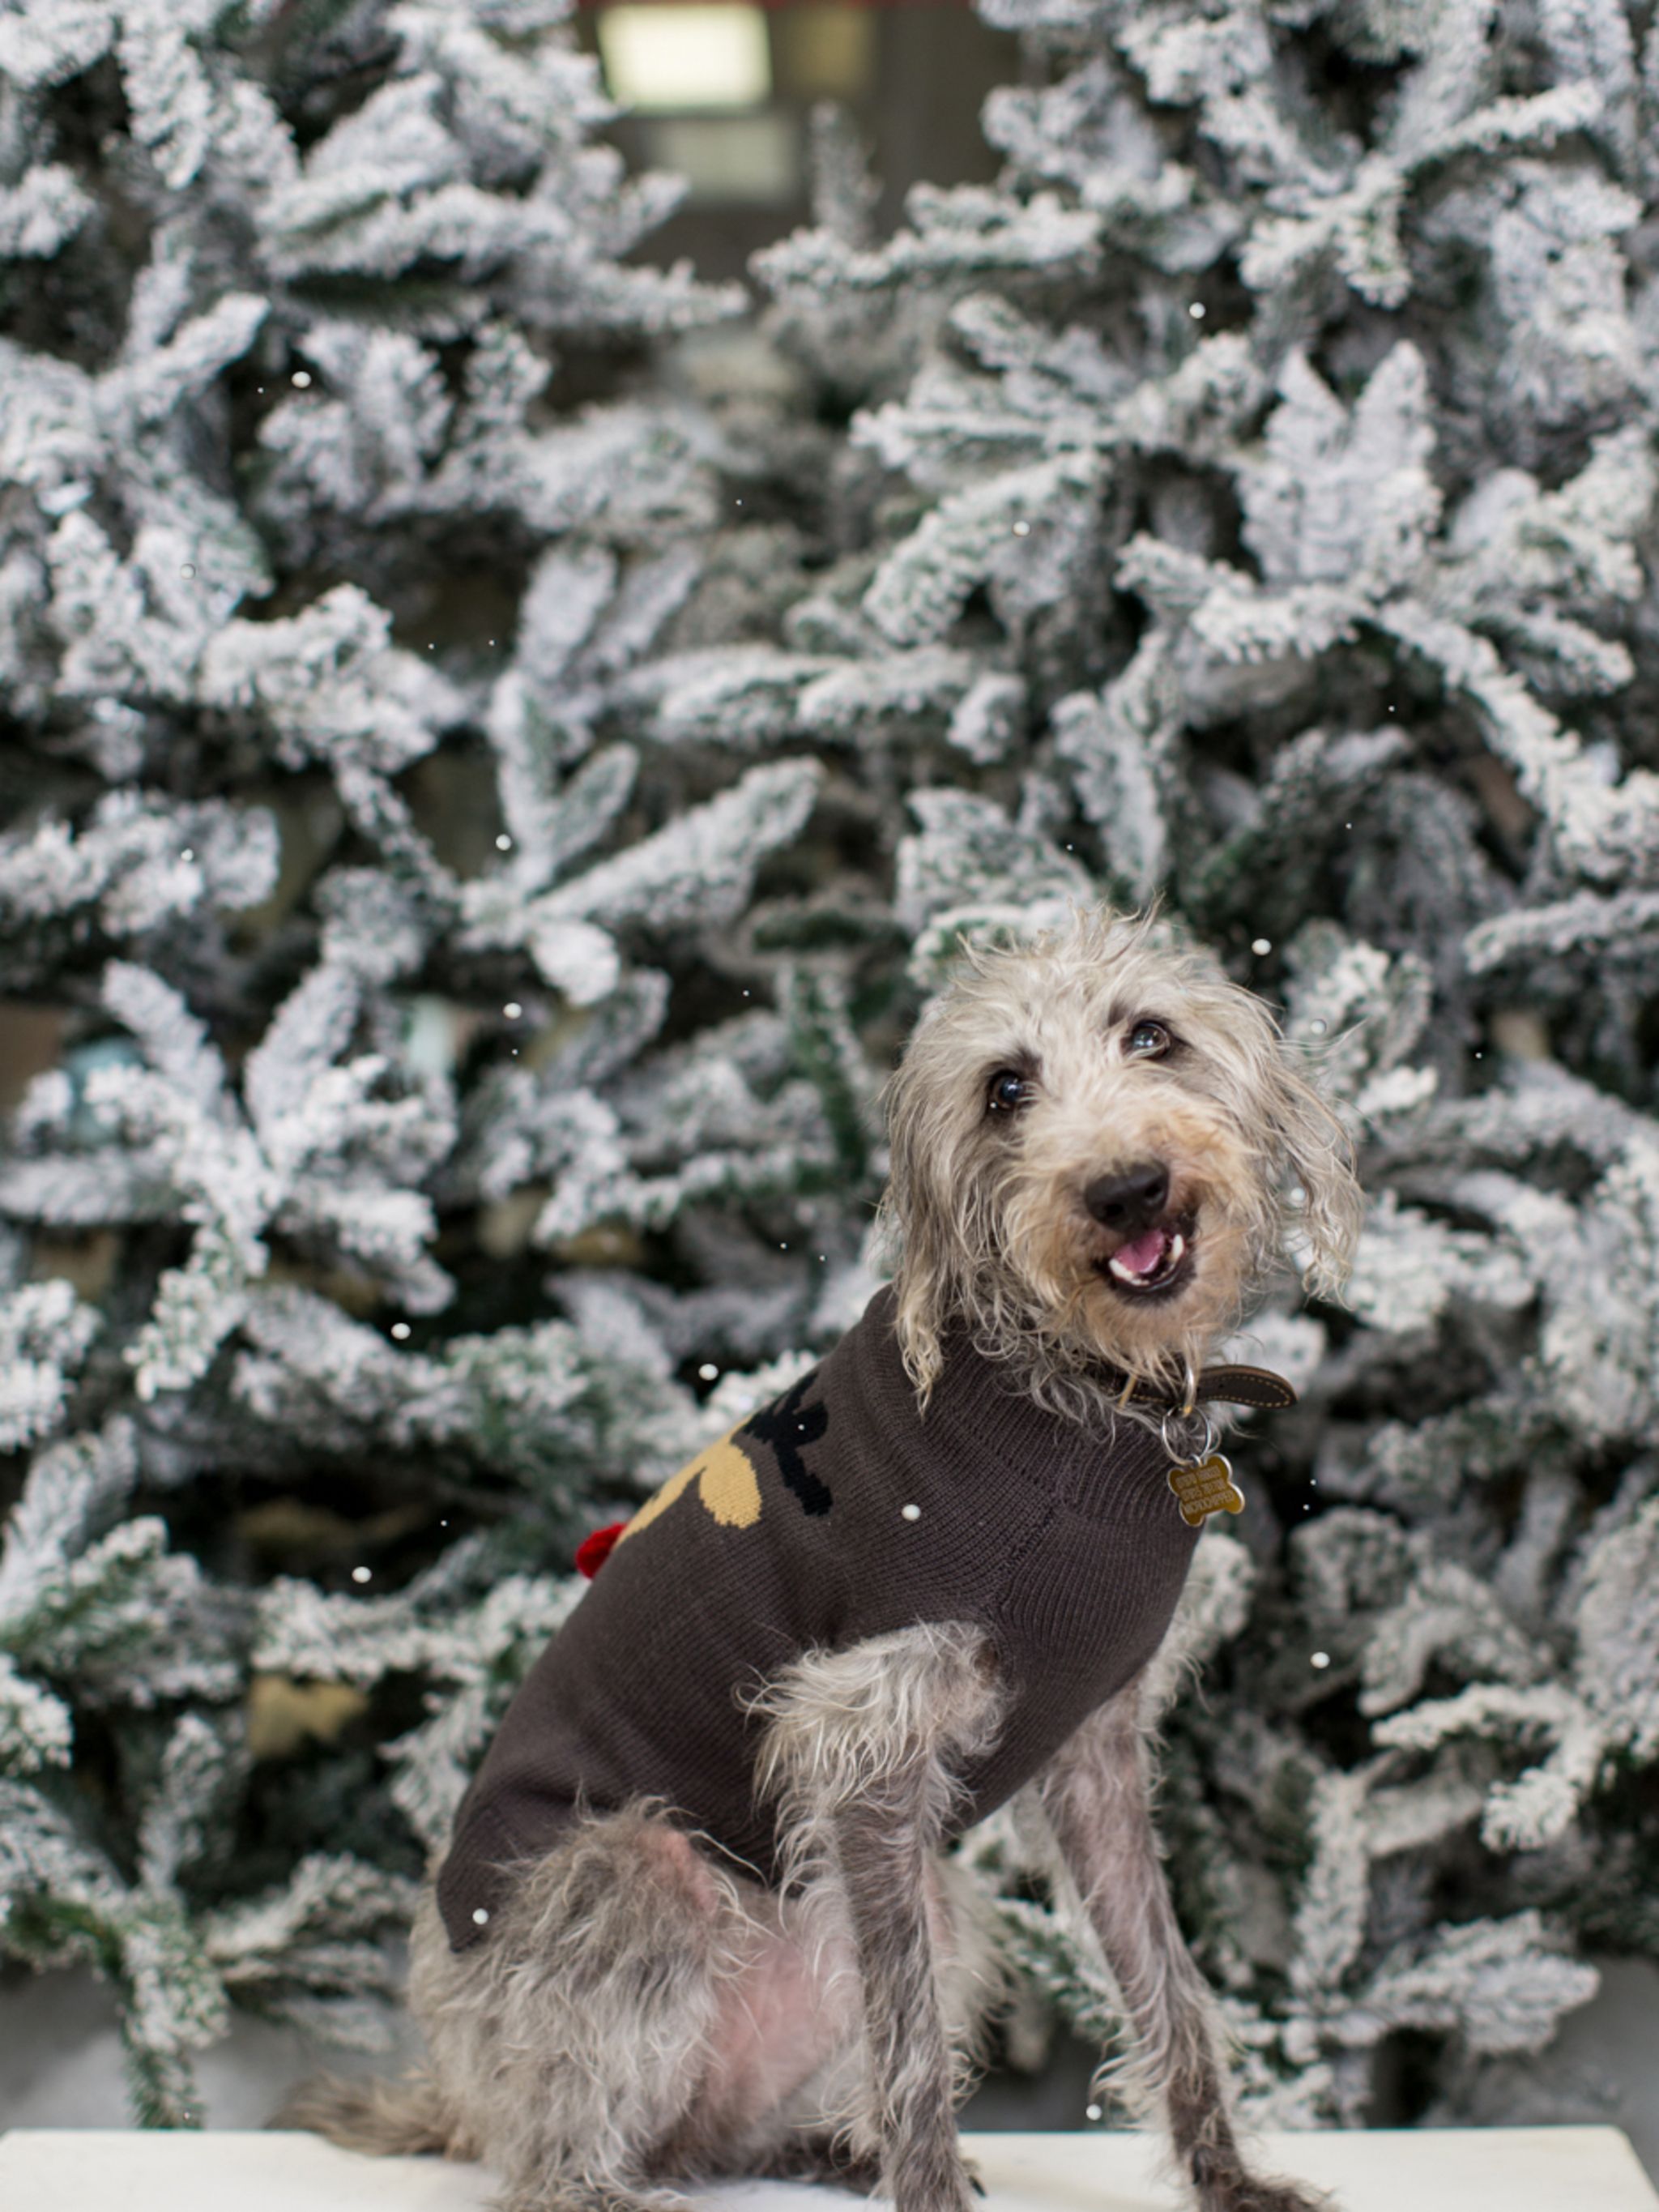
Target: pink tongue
x,y
1144,1253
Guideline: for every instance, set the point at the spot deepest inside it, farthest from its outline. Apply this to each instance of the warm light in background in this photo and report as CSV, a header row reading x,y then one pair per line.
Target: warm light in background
x,y
826,52
658,59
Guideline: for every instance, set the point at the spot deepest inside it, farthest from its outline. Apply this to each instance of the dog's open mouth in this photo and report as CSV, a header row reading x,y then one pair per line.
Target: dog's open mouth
x,y
1154,1264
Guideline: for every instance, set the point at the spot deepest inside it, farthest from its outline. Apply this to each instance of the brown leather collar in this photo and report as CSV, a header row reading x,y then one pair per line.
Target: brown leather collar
x,y
1237,1386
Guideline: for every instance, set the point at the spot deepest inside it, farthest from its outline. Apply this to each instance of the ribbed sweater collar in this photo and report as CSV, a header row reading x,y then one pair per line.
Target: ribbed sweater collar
x,y
980,1422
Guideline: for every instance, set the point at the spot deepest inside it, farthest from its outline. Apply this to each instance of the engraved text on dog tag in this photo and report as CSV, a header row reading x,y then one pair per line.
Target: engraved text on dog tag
x,y
1207,1488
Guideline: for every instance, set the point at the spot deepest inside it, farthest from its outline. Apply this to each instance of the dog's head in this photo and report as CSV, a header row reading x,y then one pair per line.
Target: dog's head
x,y
1094,1142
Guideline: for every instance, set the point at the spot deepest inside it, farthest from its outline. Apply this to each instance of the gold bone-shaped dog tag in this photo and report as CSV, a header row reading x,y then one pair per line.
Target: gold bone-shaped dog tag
x,y
1205,1489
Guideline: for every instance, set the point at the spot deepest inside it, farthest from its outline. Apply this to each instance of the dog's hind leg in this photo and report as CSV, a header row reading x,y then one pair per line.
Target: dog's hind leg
x,y
859,1751
571,2044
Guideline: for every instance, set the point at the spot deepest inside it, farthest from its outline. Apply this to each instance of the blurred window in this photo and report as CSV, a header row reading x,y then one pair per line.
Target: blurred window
x,y
721,94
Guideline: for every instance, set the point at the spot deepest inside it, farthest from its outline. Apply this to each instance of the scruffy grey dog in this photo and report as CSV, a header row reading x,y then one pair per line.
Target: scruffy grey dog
x,y
1093,1140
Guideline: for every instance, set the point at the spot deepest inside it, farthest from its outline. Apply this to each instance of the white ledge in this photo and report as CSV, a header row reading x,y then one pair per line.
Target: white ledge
x,y
1428,2170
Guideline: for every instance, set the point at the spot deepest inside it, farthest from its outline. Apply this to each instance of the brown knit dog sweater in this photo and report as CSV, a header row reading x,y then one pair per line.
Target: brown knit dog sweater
x,y
834,1513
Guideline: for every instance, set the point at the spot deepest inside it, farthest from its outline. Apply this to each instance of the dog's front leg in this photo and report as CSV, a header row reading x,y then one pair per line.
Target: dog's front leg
x,y
883,1861
1097,1794
860,1753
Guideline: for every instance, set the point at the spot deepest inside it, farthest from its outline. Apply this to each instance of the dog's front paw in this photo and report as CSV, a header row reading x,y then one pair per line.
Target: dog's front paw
x,y
935,2184
1233,2189
819,2156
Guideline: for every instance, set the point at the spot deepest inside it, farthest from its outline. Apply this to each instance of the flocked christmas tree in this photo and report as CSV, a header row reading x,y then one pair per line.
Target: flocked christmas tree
x,y
488,859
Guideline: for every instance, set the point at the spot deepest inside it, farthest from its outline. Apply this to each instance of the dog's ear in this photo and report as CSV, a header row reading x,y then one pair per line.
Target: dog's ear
x,y
1316,1152
916,1233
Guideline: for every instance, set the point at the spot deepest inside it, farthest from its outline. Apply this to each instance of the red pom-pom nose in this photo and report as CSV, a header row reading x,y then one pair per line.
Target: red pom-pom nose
x,y
594,1551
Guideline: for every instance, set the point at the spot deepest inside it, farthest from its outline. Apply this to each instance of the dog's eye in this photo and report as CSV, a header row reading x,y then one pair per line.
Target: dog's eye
x,y
1149,1039
1006,1092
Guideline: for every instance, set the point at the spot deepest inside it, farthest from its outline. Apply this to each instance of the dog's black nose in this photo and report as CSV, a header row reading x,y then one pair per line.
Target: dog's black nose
x,y
1131,1199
